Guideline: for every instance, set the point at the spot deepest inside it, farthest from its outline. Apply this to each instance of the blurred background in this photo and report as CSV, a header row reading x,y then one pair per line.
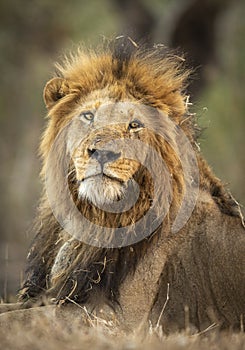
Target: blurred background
x,y
35,33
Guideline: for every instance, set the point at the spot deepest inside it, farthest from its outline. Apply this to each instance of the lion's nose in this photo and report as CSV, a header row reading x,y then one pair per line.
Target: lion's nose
x,y
103,156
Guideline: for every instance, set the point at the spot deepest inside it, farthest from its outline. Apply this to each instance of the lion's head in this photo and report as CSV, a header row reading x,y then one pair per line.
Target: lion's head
x,y
119,116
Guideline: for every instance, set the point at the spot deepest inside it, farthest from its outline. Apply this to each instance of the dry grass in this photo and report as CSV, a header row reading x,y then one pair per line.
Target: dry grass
x,y
49,332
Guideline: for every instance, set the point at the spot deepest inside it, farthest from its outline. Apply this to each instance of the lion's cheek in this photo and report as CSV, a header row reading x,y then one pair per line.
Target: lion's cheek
x,y
123,169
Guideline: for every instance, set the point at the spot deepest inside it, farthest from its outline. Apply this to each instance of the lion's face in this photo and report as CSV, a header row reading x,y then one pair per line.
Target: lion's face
x,y
119,154
104,160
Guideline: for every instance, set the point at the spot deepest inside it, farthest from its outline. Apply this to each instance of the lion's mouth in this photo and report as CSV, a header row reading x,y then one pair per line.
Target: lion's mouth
x,y
101,188
101,176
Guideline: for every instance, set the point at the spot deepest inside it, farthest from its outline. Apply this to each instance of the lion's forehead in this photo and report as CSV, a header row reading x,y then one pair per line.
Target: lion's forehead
x,y
106,102
109,111
111,120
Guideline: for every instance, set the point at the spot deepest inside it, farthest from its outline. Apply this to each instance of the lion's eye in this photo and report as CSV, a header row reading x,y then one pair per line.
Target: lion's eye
x,y
135,124
88,116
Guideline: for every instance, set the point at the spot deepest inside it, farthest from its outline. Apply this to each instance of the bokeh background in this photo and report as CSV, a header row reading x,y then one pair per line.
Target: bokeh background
x,y
35,33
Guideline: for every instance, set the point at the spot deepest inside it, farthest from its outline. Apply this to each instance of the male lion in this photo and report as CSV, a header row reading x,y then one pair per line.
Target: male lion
x,y
133,219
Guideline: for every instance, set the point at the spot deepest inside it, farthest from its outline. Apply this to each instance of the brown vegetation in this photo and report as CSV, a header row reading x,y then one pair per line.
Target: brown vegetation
x,y
48,331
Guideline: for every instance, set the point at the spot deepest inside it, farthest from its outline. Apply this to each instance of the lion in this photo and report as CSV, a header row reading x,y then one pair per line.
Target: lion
x,y
121,164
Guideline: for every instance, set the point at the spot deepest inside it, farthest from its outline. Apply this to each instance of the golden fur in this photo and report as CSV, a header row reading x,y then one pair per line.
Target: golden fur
x,y
203,263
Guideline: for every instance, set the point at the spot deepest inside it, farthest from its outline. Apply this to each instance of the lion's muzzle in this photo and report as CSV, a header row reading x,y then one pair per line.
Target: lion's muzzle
x,y
103,156
100,184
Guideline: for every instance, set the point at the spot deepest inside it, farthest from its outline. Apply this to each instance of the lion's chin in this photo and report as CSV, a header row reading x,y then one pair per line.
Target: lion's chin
x,y
101,190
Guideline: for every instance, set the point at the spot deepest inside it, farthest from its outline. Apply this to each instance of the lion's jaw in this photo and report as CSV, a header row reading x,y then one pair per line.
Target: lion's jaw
x,y
100,189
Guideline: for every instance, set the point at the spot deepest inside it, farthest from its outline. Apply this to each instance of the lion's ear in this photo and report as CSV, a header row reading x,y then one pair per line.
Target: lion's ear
x,y
54,90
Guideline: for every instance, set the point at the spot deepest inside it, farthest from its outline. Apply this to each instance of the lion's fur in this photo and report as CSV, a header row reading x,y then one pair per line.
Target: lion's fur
x,y
98,276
